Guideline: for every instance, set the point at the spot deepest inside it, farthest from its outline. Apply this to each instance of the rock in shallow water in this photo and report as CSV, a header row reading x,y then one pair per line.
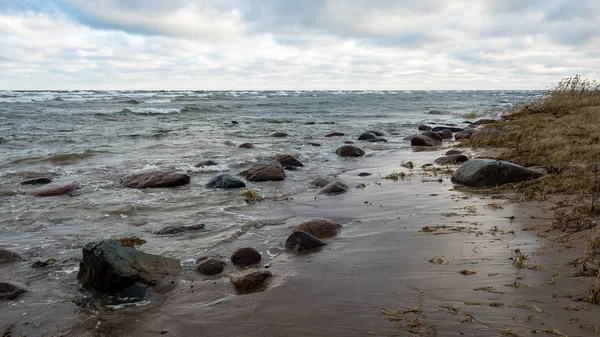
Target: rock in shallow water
x,y
180,229
303,242
319,228
6,257
206,163
262,172
246,146
36,181
12,290
250,280
211,266
245,257
155,179
349,151
367,136
54,189
492,173
334,187
109,267
288,160
335,134
225,181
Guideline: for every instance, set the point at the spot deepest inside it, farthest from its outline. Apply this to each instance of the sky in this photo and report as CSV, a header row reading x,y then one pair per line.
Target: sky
x,y
296,44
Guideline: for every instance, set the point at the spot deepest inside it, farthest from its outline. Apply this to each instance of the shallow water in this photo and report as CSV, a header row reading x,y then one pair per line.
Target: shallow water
x,y
97,137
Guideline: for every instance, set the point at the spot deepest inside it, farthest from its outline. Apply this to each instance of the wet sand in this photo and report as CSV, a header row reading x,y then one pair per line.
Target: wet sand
x,y
374,278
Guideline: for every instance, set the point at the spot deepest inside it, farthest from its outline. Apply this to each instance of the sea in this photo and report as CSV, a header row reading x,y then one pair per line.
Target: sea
x,y
96,138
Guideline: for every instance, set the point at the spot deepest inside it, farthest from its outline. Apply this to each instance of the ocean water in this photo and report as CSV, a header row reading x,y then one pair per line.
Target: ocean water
x,y
97,137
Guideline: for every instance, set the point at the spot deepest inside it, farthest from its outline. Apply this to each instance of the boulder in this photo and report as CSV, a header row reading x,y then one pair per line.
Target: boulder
x,y
225,181
6,257
288,160
313,144
483,121
424,127
246,146
334,187
300,242
36,181
54,189
12,290
206,163
180,229
245,257
450,152
367,136
320,182
335,134
210,266
491,173
319,228
155,179
488,133
426,139
250,280
262,172
349,151
452,159
449,127
376,133
109,267
465,134
279,134
445,134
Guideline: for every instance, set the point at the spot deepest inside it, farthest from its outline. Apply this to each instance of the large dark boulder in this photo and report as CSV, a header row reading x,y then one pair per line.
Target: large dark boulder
x,y
12,290
288,160
427,138
349,151
6,257
155,179
54,189
225,181
36,181
109,267
367,136
445,134
319,228
245,257
334,187
250,280
263,172
452,159
465,134
180,229
300,242
491,173
449,127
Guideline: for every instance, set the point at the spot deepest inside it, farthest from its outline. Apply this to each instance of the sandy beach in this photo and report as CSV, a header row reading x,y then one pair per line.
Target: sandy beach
x,y
384,274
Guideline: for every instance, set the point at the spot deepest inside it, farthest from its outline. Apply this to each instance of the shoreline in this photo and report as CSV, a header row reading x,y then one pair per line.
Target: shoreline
x,y
374,277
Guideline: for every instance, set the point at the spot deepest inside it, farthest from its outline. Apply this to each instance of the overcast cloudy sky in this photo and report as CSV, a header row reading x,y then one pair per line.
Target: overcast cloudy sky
x,y
296,44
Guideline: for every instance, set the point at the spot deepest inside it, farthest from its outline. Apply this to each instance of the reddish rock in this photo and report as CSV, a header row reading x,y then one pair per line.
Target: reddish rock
x,y
245,257
250,280
349,151
54,189
288,160
319,228
155,179
211,266
262,172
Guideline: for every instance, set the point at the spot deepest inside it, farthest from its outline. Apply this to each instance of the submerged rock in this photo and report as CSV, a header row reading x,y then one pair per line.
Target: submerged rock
x,y
279,134
250,280
6,257
210,266
313,144
109,267
335,134
43,264
334,187
54,189
155,179
349,151
245,257
180,229
451,159
364,174
378,140
246,146
288,160
36,181
367,136
300,241
206,163
435,112
262,172
491,173
12,290
225,181
319,228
